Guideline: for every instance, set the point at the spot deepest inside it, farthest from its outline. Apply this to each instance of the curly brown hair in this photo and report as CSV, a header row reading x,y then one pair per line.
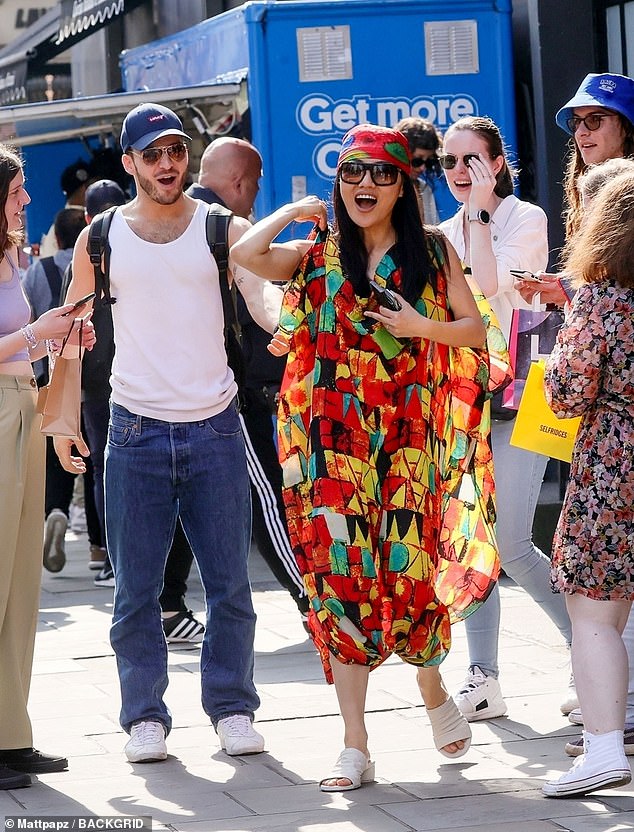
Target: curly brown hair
x,y
601,249
10,165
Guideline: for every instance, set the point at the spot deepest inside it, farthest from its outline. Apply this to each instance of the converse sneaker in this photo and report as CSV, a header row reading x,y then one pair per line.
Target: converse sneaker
x,y
147,742
588,775
575,716
238,736
55,527
183,628
480,697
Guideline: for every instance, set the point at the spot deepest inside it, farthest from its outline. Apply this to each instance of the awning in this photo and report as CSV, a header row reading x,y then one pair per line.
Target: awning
x,y
80,18
13,80
53,33
101,115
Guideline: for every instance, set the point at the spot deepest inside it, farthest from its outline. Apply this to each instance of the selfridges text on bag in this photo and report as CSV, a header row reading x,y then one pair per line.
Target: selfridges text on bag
x,y
536,426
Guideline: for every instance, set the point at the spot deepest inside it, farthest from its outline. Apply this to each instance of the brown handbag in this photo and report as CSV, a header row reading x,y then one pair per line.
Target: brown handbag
x,y
59,402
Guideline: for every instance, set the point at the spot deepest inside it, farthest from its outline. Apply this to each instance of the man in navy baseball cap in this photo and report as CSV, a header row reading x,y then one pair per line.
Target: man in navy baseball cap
x,y
101,195
614,92
147,123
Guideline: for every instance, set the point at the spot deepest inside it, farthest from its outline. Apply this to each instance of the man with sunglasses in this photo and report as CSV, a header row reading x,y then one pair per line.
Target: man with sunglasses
x,y
174,445
425,142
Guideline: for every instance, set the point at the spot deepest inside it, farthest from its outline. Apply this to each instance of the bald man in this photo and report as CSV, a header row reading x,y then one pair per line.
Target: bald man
x,y
230,170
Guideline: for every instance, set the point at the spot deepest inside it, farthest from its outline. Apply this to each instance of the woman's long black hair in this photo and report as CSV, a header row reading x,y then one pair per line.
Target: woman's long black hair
x,y
417,268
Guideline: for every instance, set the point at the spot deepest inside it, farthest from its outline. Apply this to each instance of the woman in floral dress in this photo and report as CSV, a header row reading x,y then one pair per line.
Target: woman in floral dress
x,y
383,441
591,373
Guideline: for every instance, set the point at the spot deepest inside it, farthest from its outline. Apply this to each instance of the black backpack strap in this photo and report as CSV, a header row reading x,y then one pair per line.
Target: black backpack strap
x,y
54,278
218,218
98,249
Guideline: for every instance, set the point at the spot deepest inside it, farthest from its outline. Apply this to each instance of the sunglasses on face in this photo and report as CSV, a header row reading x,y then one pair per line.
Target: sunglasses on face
x,y
591,122
448,161
352,173
151,155
419,162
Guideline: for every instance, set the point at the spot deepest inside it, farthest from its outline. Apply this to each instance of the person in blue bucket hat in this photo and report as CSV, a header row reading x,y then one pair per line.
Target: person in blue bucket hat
x,y
600,119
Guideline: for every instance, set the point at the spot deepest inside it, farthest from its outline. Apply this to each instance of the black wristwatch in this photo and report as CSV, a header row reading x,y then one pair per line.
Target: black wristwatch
x,y
483,217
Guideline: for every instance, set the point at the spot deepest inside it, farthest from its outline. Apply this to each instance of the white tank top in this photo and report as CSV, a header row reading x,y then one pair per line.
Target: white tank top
x,y
170,361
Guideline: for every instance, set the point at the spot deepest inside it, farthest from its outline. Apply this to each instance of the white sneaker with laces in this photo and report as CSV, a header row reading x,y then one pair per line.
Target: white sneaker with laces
x,y
480,697
238,736
589,775
147,742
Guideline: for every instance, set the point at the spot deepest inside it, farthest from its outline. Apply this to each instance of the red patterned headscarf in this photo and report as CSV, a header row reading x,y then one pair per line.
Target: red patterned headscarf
x,y
369,141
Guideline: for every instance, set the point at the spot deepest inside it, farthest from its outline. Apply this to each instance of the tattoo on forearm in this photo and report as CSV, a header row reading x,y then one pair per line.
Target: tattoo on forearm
x,y
238,279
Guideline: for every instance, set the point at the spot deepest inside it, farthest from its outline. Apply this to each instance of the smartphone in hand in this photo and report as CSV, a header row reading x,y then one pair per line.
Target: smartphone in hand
x,y
81,302
385,297
524,274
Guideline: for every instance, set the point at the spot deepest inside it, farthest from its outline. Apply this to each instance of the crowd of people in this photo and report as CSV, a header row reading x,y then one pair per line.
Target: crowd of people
x,y
397,493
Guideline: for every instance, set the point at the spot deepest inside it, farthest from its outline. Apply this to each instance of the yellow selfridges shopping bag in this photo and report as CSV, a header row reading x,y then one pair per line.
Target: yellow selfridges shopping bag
x,y
536,426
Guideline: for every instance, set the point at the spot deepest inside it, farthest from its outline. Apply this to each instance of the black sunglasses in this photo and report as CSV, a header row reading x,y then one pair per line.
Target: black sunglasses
x,y
352,173
151,155
592,121
448,161
419,162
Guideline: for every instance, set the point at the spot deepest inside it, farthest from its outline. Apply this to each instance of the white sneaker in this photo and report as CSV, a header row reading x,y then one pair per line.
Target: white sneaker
x,y
147,742
238,736
54,556
587,776
480,697
77,519
575,716
571,701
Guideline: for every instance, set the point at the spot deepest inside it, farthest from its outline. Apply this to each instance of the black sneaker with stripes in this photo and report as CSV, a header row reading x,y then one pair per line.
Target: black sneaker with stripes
x,y
183,628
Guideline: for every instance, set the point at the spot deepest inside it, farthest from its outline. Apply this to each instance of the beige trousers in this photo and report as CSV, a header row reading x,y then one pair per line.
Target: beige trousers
x,y
21,533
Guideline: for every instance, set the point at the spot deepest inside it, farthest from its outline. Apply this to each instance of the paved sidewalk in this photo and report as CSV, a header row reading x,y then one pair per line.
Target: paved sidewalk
x,y
496,786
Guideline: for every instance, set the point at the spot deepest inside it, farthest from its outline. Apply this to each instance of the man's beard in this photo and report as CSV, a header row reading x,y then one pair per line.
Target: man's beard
x,y
156,193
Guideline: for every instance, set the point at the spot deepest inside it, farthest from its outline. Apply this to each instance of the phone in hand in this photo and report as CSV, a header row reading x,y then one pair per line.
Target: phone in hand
x,y
567,288
385,297
81,302
524,274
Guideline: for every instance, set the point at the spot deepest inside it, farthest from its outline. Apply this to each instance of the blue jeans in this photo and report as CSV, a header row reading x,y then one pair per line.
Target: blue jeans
x,y
518,479
154,471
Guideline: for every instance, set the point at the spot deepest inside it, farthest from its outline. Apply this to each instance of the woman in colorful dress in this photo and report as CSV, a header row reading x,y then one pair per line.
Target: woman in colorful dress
x,y
380,424
590,373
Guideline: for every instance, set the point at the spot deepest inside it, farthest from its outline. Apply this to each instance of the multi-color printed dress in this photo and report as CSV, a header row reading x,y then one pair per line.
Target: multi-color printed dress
x,y
387,468
591,373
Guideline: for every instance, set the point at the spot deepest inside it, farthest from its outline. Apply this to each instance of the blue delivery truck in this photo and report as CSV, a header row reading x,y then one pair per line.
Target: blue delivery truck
x,y
291,77
312,69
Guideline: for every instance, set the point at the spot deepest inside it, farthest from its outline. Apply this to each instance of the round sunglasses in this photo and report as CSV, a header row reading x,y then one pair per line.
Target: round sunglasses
x,y
151,155
382,173
448,161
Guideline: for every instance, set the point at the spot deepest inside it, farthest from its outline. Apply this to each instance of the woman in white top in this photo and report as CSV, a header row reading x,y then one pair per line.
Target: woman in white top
x,y
494,232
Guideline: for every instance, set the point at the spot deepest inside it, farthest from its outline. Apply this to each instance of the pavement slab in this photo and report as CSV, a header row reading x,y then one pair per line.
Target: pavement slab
x,y
495,787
